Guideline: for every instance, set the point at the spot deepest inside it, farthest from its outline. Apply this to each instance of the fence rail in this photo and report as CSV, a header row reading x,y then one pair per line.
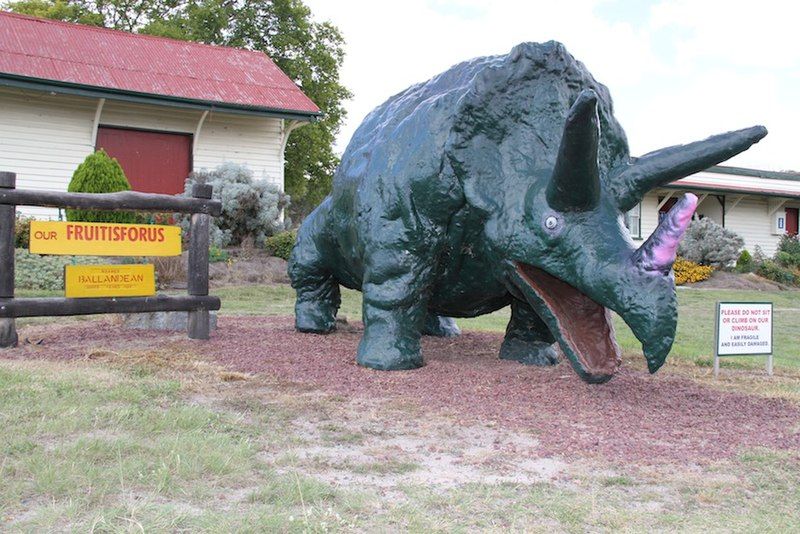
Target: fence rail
x,y
198,302
128,200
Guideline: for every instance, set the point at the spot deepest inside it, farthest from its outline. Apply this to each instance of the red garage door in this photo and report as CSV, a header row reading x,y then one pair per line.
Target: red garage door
x,y
154,162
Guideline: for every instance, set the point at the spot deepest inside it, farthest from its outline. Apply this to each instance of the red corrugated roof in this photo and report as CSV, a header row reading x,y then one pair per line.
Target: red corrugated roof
x,y
120,61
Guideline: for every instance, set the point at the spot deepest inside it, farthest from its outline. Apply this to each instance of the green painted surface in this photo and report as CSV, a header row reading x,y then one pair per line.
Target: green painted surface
x,y
503,180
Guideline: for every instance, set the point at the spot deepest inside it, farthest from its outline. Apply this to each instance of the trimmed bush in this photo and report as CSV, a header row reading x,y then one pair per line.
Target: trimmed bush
x,y
250,208
99,173
745,263
281,245
689,272
22,231
707,243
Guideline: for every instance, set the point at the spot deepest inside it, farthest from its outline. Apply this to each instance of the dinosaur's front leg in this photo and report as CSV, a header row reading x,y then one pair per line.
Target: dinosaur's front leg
x,y
528,340
396,287
318,297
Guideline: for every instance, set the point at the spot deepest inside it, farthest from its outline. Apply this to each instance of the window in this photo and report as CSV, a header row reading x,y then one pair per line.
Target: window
x,y
633,221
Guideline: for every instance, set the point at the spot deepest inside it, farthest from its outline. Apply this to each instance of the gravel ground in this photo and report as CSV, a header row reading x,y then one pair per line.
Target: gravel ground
x,y
633,418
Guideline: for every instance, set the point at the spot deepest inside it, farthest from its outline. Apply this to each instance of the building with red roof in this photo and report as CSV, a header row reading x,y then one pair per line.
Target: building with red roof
x,y
162,107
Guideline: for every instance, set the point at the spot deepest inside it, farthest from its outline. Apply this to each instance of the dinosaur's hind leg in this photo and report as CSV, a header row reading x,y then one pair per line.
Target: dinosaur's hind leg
x,y
528,340
440,326
318,297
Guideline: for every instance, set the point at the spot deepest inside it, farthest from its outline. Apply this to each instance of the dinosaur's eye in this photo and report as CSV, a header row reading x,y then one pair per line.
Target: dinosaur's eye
x,y
550,222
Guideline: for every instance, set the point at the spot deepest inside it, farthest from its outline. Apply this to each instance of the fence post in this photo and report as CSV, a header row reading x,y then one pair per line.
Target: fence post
x,y
199,322
8,327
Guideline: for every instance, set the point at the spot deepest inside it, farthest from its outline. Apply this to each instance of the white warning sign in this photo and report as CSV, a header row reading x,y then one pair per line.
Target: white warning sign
x,y
744,328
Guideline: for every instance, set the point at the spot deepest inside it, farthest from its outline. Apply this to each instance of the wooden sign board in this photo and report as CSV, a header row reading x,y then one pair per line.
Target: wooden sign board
x,y
104,239
86,281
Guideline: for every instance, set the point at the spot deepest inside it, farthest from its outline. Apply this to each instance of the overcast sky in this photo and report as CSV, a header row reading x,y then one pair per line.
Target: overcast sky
x,y
678,70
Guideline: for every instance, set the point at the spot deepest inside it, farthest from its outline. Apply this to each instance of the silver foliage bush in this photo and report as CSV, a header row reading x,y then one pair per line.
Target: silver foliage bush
x,y
708,243
250,208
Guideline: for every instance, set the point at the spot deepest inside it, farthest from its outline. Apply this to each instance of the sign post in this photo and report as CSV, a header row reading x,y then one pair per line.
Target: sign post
x,y
743,329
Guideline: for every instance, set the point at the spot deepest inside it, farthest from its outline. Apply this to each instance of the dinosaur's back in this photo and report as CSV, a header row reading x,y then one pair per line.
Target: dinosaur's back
x,y
454,143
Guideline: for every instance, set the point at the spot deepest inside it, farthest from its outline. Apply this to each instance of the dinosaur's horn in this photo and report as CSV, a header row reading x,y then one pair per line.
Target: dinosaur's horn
x,y
658,252
669,164
575,183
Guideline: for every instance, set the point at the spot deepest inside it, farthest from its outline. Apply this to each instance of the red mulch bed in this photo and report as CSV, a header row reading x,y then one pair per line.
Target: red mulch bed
x,y
635,417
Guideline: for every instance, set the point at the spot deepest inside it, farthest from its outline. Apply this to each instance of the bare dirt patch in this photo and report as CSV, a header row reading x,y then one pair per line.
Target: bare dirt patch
x,y
634,418
745,281
249,269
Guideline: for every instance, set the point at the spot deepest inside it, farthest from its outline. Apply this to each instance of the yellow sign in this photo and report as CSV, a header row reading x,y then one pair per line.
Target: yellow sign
x,y
104,239
82,281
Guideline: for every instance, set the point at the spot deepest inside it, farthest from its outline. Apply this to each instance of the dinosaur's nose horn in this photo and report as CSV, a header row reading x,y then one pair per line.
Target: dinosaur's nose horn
x,y
658,252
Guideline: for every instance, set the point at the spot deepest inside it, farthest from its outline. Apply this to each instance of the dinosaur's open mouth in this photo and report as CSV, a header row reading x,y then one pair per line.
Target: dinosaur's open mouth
x,y
582,327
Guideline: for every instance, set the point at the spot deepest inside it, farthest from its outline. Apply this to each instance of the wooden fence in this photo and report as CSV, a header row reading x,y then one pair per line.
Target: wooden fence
x,y
198,302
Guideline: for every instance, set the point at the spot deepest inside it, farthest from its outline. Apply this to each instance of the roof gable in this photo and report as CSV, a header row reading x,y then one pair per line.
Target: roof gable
x,y
88,56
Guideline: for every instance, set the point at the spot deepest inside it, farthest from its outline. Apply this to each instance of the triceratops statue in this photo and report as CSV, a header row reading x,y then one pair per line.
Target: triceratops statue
x,y
503,180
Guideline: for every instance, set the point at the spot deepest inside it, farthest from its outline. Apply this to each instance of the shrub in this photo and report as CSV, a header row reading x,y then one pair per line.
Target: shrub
x,y
216,255
689,272
33,271
170,270
250,208
788,254
777,273
745,263
281,245
22,230
758,256
707,243
99,173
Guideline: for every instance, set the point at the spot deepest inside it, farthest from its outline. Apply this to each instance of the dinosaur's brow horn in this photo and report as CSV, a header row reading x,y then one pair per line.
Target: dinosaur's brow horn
x,y
575,182
669,164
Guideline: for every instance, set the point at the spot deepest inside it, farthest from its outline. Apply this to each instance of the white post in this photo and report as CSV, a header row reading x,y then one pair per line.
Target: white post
x,y
716,343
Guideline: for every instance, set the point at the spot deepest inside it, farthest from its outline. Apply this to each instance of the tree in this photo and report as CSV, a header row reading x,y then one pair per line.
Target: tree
x,y
309,52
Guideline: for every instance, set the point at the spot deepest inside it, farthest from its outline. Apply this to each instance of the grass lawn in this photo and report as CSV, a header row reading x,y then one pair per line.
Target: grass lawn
x,y
694,341
171,444
132,448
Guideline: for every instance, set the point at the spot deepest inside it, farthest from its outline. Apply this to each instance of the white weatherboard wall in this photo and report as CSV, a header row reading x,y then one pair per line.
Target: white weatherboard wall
x,y
254,141
44,137
752,221
750,218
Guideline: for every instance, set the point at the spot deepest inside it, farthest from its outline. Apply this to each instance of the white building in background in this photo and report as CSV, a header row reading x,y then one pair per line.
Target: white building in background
x,y
760,206
162,107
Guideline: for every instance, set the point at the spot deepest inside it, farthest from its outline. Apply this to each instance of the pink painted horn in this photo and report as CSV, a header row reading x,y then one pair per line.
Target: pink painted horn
x,y
658,252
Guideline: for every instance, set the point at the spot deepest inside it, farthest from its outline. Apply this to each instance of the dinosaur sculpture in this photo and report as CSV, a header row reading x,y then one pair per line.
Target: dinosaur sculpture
x,y
502,181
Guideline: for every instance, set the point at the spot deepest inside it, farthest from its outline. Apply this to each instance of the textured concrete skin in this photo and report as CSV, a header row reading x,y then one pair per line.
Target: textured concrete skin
x,y
502,181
